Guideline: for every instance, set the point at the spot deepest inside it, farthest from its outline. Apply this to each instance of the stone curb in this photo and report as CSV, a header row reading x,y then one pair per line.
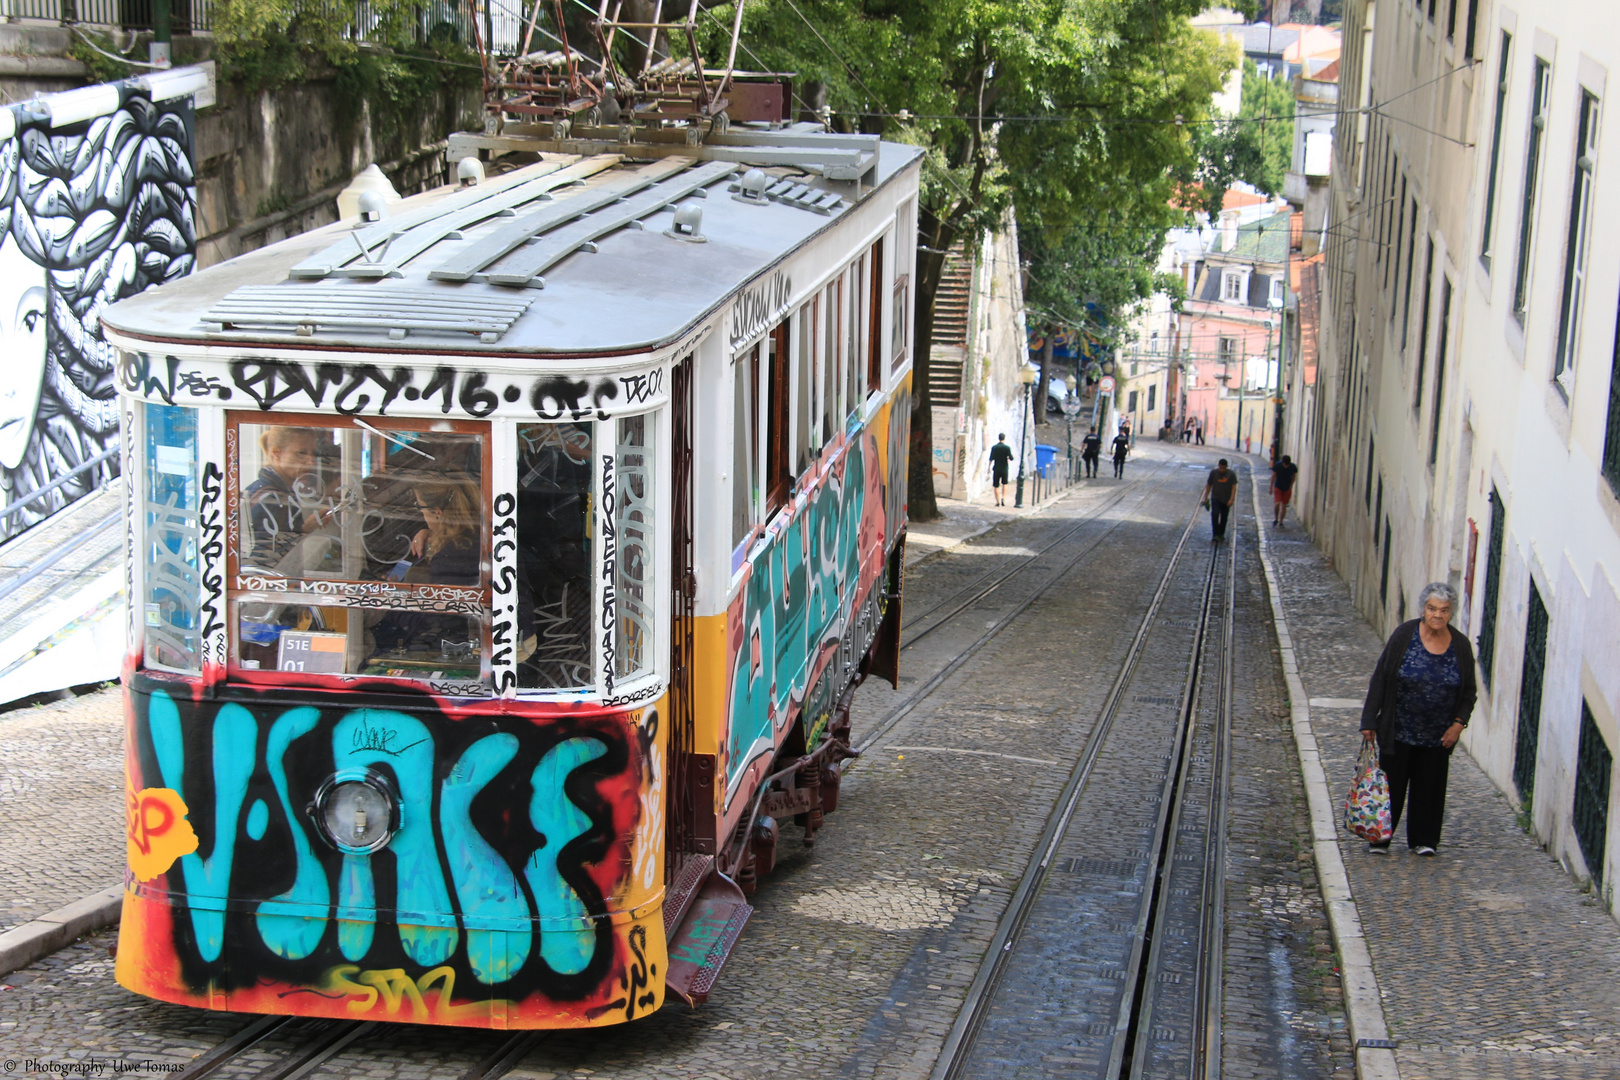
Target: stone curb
x,y
1364,1005
23,945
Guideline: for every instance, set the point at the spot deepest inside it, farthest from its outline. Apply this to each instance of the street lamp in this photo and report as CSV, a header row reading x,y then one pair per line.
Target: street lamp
x,y
1027,374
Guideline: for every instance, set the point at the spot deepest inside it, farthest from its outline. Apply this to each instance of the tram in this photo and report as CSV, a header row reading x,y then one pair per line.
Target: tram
x,y
501,566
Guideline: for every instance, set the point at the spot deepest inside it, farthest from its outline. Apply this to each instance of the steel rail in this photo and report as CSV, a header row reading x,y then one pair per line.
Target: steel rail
x,y
933,682
976,1005
329,1037
1016,564
1138,1022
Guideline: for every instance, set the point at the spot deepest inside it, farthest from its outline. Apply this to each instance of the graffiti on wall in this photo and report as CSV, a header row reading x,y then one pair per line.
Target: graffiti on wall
x,y
510,887
89,213
800,624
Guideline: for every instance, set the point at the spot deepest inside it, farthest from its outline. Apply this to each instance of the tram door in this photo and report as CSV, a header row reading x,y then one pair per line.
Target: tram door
x,y
688,851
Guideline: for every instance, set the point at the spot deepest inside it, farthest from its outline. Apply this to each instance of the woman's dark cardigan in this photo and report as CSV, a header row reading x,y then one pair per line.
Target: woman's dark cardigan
x,y
1378,714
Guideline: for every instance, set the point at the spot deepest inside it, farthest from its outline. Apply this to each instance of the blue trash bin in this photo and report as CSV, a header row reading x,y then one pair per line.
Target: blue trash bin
x,y
1044,456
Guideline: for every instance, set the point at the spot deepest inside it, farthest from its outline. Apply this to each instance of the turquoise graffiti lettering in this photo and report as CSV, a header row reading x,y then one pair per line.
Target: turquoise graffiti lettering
x,y
292,924
567,937
485,885
426,928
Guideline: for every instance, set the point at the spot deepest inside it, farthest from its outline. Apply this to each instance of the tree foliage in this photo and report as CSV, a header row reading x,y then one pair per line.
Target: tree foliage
x,y
1267,126
1081,114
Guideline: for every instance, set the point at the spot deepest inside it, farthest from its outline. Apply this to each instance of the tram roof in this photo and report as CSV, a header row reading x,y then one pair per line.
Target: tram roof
x,y
573,254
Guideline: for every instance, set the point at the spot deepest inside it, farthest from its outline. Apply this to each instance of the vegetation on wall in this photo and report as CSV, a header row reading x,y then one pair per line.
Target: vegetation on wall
x,y
401,70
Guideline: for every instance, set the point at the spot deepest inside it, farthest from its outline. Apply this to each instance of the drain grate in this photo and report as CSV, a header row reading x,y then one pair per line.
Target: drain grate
x,y
1099,867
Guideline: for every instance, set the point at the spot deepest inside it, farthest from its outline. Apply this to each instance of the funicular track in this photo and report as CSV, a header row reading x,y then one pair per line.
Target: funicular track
x,y
1107,961
972,594
297,1046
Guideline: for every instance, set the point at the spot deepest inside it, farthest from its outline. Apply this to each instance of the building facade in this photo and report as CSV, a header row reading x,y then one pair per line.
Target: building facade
x,y
1464,419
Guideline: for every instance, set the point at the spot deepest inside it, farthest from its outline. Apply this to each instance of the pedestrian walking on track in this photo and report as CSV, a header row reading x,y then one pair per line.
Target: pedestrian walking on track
x,y
1122,446
1090,451
1283,475
1220,492
1000,459
1418,702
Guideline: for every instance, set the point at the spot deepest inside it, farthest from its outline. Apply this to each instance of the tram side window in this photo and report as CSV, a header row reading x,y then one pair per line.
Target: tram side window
x,y
554,556
854,358
362,550
874,318
897,331
633,526
172,583
745,445
804,386
778,400
830,415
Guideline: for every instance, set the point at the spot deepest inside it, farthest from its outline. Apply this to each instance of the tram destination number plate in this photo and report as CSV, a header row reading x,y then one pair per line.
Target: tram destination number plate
x,y
312,651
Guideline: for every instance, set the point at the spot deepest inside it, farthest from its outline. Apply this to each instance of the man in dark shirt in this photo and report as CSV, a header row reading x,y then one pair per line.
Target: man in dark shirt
x,y
1001,456
1283,475
1122,446
1090,451
1219,495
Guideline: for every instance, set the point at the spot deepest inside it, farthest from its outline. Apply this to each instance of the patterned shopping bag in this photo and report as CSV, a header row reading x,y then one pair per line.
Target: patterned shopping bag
x,y
1366,808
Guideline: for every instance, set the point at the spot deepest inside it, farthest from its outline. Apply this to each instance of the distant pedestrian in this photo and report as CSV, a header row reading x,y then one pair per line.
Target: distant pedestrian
x,y
1187,430
1001,456
1200,433
1090,451
1418,702
1283,475
1122,446
1220,492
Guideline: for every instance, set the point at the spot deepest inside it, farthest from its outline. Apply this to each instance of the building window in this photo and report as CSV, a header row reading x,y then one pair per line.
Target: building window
x,y
1152,390
1368,497
1229,348
1131,405
1232,286
1485,247
1451,20
1411,251
1473,25
1400,229
1532,177
1611,443
1594,763
1580,228
1440,371
1423,332
1277,290
1530,684
1493,585
1383,577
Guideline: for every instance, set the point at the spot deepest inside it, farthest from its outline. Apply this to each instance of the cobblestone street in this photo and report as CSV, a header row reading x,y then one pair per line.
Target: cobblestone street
x,y
861,951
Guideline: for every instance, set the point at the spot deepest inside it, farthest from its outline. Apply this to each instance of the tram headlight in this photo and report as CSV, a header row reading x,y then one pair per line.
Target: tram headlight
x,y
356,811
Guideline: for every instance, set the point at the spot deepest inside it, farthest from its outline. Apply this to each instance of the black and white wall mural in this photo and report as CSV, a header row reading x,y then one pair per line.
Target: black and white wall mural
x,y
90,212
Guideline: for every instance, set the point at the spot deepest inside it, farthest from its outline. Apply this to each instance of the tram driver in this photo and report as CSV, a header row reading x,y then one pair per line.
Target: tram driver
x,y
276,501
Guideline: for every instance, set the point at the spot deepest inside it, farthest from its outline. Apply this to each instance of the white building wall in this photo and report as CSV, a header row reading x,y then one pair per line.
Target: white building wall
x,y
1504,420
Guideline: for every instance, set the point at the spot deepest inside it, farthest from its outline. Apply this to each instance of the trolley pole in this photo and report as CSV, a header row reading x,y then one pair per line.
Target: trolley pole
x,y
1023,445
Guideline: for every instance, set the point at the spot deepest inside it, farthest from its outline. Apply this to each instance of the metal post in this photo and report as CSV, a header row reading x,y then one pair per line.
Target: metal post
x,y
1023,445
158,52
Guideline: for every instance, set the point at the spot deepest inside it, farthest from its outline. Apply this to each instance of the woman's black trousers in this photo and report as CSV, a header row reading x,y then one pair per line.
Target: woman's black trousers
x,y
1417,782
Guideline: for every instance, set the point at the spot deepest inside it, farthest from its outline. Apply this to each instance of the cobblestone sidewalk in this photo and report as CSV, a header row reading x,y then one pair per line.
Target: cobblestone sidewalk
x,y
61,804
1491,962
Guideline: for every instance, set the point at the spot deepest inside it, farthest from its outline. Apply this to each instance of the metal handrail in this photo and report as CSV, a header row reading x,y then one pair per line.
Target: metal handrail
x,y
54,484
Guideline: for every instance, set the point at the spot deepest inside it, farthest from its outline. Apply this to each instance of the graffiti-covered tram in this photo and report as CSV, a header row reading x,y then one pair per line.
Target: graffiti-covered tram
x,y
501,565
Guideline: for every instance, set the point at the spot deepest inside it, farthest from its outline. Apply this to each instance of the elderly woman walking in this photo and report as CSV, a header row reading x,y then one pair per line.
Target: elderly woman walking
x,y
1418,702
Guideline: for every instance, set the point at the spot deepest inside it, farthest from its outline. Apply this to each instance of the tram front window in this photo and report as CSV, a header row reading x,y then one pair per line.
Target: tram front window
x,y
554,556
361,550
